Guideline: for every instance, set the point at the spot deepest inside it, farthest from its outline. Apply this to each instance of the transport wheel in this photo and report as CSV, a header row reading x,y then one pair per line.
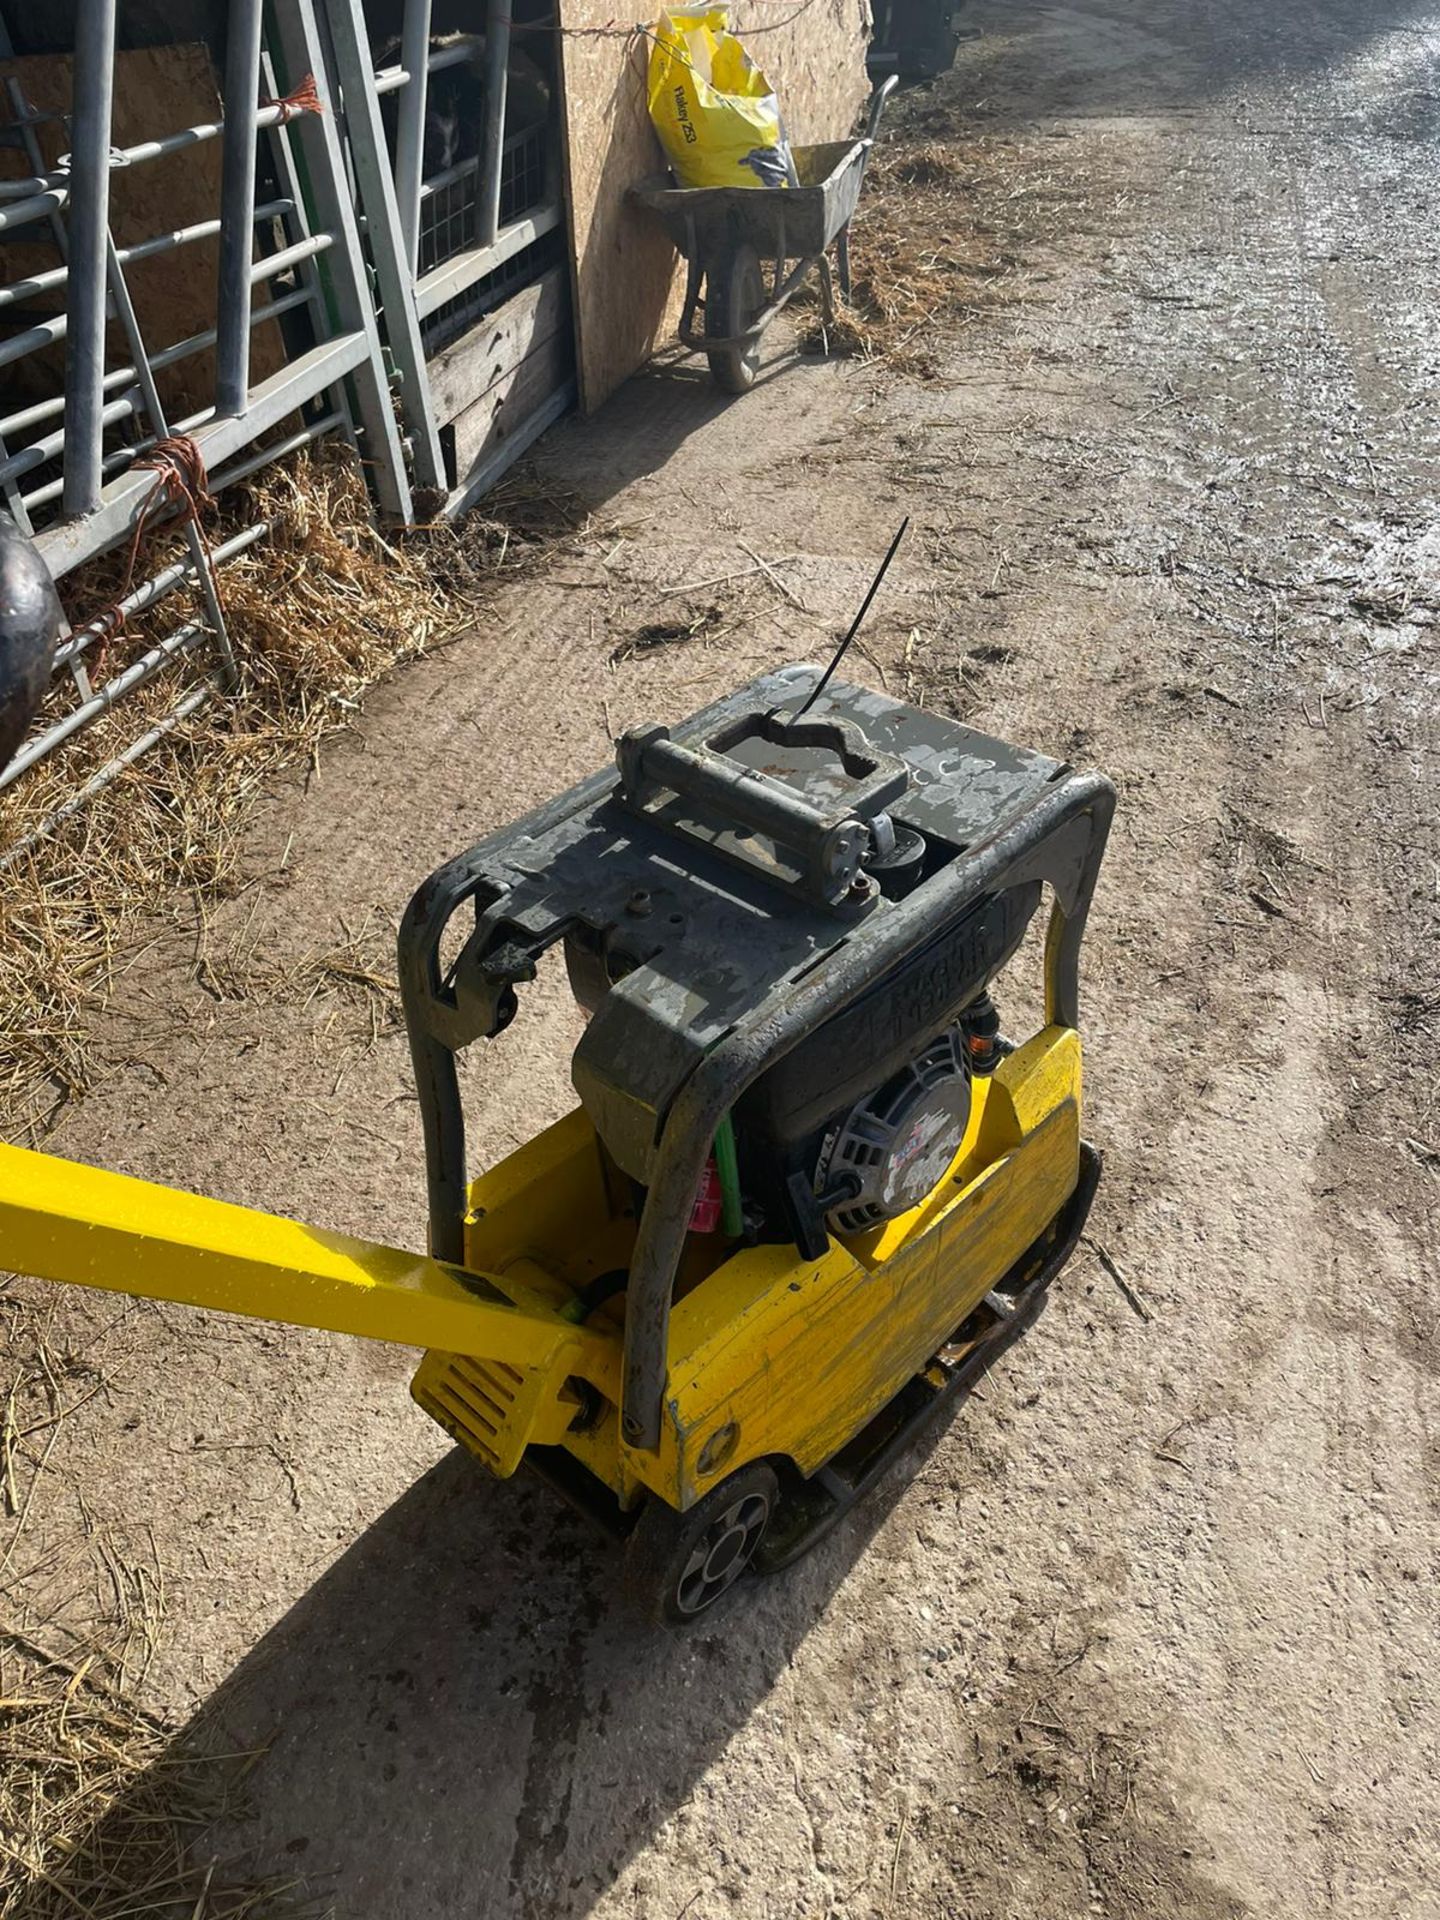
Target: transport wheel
x,y
734,300
679,1564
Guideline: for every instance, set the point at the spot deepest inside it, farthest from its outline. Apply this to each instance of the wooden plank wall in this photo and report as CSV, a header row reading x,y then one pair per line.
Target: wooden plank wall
x,y
627,287
490,381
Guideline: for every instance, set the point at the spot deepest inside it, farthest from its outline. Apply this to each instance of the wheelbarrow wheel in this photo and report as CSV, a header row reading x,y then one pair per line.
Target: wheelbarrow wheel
x,y
677,1565
734,301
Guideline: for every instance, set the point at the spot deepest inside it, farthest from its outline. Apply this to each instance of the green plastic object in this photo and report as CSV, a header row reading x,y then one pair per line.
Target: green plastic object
x,y
727,1165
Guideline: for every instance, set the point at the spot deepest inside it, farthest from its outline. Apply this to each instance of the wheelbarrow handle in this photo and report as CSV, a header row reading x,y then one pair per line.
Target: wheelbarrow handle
x,y
877,104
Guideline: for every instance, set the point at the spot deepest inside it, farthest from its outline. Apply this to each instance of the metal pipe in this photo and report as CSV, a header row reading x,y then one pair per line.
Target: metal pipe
x,y
50,331
273,263
112,770
198,342
410,136
299,381
451,177
195,136
237,209
24,117
27,114
124,459
299,48
15,507
455,52
195,544
461,272
118,460
15,424
56,329
94,77
184,236
277,450
23,212
54,277
42,496
156,588
394,280
50,191
497,71
24,189
452,54
45,335
26,459
43,410
99,702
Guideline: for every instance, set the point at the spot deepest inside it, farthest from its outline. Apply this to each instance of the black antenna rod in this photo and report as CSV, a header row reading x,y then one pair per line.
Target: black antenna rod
x,y
839,654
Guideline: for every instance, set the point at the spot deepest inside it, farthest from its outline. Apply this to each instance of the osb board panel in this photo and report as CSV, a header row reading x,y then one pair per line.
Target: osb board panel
x,y
158,90
627,284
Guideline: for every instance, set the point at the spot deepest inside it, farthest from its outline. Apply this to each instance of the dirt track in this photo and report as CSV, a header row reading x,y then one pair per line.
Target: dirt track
x,y
1150,1631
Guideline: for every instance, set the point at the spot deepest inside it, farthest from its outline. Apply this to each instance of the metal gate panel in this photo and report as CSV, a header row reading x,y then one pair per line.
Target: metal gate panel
x,y
452,247
100,493
443,300
394,277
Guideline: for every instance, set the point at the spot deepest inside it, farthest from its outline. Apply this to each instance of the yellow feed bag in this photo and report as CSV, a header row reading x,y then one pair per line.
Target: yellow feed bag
x,y
717,119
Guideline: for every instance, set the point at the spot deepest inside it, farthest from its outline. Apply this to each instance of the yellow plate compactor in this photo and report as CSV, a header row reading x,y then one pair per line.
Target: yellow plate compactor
x,y
809,1192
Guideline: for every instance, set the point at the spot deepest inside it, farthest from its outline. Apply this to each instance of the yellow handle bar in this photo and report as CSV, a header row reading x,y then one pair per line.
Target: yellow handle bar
x,y
63,1221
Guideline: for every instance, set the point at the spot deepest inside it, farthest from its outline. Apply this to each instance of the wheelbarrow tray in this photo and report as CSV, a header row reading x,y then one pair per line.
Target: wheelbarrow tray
x,y
781,223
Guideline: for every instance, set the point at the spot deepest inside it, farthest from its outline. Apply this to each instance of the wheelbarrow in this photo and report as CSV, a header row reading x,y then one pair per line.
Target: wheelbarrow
x,y
725,233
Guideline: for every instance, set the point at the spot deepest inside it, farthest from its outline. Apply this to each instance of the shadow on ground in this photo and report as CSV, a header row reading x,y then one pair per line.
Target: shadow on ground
x,y
461,1717
650,418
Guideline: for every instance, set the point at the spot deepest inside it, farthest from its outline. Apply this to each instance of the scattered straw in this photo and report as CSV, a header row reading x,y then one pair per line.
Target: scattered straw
x,y
921,255
317,612
102,1814
105,1811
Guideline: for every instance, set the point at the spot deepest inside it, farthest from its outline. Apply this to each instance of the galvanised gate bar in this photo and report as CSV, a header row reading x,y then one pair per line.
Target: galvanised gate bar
x,y
372,236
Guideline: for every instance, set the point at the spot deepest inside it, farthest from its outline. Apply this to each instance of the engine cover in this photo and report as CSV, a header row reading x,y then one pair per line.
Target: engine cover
x,y
893,1148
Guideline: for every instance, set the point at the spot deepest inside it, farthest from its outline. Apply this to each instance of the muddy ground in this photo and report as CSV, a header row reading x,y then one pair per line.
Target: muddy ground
x,y
1149,1630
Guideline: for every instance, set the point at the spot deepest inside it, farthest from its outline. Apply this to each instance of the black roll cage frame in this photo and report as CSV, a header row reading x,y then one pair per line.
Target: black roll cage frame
x,y
1059,840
